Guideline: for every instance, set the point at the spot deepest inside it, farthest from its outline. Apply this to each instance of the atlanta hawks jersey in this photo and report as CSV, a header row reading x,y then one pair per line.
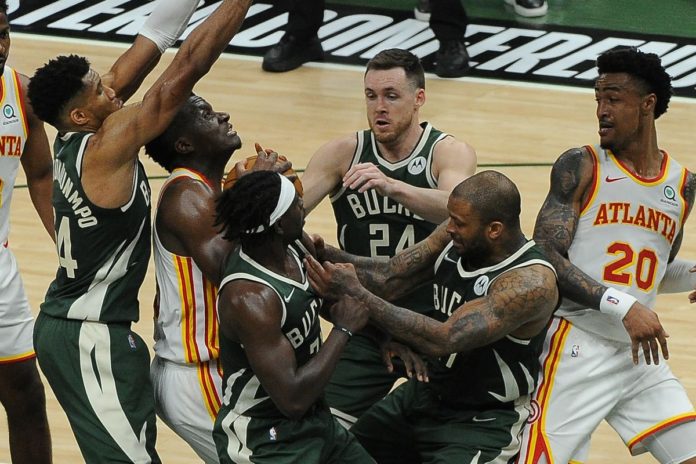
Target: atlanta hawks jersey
x,y
504,370
186,325
103,253
12,139
244,394
624,236
370,224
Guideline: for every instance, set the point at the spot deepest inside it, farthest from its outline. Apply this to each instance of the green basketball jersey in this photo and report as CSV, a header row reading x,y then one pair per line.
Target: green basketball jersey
x,y
102,253
244,394
493,375
370,224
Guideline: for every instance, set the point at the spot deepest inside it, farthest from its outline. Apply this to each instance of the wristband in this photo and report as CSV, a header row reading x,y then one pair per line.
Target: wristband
x,y
343,330
616,303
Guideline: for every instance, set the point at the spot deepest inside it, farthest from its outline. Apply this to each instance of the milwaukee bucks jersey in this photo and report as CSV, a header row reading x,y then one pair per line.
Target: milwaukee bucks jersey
x,y
102,253
370,224
495,374
244,394
14,135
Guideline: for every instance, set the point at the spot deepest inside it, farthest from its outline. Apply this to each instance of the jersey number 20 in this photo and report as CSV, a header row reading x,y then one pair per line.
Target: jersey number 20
x,y
618,271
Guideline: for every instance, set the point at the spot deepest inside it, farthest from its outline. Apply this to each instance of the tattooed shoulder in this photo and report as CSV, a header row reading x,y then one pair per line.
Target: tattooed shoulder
x,y
571,172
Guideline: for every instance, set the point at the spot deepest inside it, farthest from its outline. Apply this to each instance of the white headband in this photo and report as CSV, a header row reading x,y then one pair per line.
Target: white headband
x,y
285,199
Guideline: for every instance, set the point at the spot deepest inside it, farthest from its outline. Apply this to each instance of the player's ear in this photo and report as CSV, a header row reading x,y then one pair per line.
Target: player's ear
x,y
648,103
183,146
78,116
495,230
420,97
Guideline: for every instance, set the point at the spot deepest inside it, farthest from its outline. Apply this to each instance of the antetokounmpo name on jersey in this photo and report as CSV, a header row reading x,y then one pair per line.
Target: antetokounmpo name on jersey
x,y
370,203
637,215
83,213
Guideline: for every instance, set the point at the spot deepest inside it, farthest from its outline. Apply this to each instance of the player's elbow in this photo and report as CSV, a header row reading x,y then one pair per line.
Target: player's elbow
x,y
293,410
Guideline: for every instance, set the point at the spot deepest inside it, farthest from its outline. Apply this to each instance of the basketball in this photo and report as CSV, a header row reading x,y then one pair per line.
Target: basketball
x,y
231,177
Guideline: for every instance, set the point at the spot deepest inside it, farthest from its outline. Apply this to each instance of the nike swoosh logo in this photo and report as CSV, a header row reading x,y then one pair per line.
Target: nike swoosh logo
x,y
614,179
487,419
287,298
447,258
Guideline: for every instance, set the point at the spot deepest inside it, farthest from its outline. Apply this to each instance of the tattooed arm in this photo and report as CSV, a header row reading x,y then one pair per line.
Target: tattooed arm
x,y
571,177
395,277
519,302
557,222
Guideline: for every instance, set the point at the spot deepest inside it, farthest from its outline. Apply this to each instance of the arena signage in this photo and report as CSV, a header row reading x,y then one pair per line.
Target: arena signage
x,y
352,35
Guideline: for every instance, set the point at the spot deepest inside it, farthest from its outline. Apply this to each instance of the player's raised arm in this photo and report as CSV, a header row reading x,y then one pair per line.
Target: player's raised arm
x,y
139,123
163,27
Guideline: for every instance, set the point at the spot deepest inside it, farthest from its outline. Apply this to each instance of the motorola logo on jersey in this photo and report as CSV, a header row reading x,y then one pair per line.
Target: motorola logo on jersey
x,y
417,165
481,285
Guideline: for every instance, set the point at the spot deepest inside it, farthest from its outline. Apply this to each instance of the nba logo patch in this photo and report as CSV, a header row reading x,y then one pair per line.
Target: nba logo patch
x,y
575,351
131,342
272,434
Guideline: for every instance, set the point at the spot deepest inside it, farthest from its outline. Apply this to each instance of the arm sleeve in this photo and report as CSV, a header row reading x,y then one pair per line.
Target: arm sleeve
x,y
168,21
677,277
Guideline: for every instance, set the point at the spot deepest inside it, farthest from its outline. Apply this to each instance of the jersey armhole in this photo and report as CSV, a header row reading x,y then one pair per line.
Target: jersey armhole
x,y
594,183
251,278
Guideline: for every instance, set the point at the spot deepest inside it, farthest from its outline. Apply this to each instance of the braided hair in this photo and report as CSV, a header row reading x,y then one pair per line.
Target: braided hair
x,y
247,205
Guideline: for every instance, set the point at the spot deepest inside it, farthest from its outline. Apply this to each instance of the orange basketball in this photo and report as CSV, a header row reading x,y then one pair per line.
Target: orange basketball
x,y
231,177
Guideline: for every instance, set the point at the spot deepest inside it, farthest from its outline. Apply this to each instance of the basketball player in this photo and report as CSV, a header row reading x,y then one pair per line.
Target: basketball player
x,y
494,293
97,367
612,226
275,365
189,251
388,187
23,140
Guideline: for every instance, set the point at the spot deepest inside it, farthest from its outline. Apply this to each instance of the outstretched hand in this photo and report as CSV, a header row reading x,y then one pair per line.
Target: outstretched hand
x,y
319,246
267,159
646,332
692,295
331,281
414,365
366,176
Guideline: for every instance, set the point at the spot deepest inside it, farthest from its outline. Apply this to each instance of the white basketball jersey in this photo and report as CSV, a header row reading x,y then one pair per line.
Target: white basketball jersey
x,y
625,234
13,136
186,320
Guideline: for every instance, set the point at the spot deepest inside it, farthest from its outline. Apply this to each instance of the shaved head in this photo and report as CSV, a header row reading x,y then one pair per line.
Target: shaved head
x,y
493,196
